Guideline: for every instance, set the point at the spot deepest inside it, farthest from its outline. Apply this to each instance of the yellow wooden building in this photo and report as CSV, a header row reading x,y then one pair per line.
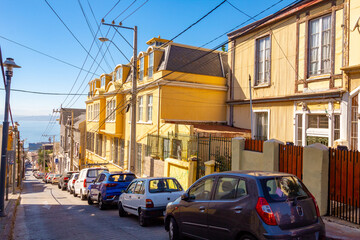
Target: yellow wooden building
x,y
178,86
299,68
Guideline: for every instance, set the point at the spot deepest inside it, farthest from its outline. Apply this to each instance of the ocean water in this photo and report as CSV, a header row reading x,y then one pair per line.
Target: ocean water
x,y
32,131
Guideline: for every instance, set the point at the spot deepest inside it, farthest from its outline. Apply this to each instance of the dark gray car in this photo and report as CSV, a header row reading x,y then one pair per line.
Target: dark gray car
x,y
245,205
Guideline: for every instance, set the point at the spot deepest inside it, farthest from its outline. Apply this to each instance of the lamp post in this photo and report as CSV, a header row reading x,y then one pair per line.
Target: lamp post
x,y
131,166
9,65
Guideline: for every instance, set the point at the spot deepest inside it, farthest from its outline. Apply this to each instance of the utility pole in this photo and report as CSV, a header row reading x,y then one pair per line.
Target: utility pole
x,y
20,166
131,164
251,109
15,133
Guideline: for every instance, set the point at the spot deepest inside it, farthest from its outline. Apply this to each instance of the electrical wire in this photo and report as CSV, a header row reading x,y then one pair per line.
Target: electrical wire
x,y
45,54
111,8
134,11
125,10
193,24
72,34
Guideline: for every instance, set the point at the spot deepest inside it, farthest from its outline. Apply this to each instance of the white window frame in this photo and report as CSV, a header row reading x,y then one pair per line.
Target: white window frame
x,y
262,66
141,69
103,81
119,74
320,68
140,108
253,131
149,108
151,65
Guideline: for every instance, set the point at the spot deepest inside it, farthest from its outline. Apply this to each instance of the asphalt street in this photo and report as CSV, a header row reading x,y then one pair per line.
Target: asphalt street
x,y
46,212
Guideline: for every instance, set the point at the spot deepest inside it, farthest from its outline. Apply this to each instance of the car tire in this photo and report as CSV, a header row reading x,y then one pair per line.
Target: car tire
x,y
63,188
82,196
122,212
90,202
142,220
59,186
173,230
101,203
247,237
75,195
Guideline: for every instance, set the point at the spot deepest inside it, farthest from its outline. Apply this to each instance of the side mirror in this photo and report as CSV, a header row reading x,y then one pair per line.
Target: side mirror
x,y
185,197
123,191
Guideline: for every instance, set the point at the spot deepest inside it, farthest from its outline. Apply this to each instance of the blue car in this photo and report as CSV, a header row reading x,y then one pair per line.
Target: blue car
x,y
107,188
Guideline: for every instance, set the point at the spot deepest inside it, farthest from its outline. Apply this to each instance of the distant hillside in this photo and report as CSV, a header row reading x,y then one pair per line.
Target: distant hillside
x,y
20,118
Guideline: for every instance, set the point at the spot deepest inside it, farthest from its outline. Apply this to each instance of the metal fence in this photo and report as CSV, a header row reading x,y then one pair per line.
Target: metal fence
x,y
344,185
183,147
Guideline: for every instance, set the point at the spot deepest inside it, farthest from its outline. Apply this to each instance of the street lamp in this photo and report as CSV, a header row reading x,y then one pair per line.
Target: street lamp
x,y
9,64
133,93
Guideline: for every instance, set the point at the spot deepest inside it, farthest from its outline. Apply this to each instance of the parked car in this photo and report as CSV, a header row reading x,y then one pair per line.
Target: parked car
x,y
45,176
64,179
49,177
86,176
39,175
245,205
107,188
148,197
55,178
71,182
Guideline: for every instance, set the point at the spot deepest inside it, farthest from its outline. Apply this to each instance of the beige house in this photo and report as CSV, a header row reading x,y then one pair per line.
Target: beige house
x,y
299,69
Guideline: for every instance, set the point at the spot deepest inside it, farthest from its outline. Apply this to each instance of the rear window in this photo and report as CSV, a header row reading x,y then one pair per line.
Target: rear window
x,y
121,177
164,185
93,173
281,189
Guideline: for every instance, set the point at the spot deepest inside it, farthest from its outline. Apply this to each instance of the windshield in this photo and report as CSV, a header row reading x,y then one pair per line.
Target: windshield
x,y
283,188
164,185
121,177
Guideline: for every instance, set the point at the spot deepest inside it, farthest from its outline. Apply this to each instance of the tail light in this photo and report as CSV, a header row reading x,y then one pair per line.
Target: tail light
x,y
149,203
264,210
110,185
316,206
66,178
110,197
74,181
85,182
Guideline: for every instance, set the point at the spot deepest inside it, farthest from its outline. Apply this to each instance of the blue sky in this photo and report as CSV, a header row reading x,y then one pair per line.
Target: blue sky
x,y
33,24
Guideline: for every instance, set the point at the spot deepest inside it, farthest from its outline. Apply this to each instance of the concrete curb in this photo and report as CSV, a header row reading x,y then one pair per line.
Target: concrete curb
x,y
340,229
7,222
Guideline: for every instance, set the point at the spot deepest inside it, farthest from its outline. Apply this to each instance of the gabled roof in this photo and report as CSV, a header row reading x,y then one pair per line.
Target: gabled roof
x,y
285,12
191,60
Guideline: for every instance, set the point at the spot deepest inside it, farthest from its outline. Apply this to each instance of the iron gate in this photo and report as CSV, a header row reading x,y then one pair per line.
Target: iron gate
x,y
213,148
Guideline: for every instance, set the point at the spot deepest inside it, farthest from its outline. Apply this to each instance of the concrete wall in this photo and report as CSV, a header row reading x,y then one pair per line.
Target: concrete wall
x,y
183,171
153,167
268,160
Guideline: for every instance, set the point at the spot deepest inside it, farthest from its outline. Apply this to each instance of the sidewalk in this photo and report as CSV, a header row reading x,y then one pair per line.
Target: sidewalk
x,y
10,211
339,229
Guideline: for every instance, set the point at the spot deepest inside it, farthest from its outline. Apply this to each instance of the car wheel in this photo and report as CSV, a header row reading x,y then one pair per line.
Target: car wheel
x,y
63,188
90,202
142,220
173,230
59,186
75,195
101,203
82,197
122,212
247,237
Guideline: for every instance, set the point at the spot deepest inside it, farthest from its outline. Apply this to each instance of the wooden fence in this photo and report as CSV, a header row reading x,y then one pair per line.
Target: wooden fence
x,y
291,159
344,185
254,145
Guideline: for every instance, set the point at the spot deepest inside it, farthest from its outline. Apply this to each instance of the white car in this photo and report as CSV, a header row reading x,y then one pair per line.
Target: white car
x,y
71,182
148,197
86,176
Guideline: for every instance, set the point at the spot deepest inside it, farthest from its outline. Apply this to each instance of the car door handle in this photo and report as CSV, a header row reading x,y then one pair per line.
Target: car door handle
x,y
238,209
129,196
202,209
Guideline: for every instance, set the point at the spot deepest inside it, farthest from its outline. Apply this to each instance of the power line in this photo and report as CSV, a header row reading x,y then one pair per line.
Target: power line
x,y
124,10
45,54
112,8
71,32
134,11
193,24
